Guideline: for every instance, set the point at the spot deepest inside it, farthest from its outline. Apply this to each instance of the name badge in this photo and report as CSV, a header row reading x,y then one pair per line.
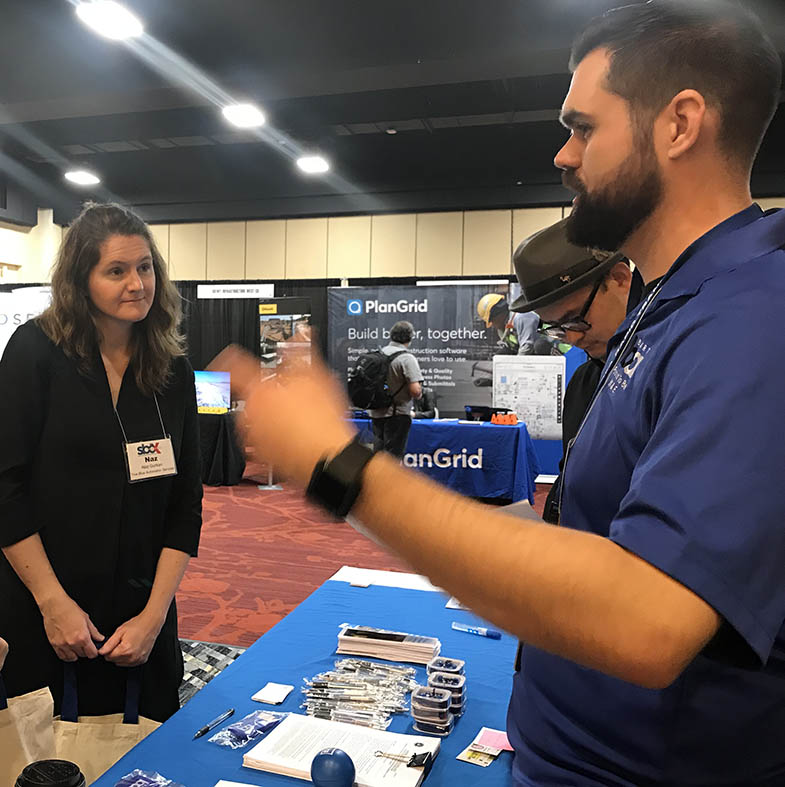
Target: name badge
x,y
150,459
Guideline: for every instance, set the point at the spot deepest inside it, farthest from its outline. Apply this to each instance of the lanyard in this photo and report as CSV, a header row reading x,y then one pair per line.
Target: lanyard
x,y
624,347
160,419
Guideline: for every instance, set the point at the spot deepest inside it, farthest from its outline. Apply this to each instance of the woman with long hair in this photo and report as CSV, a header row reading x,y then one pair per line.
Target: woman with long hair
x,y
100,491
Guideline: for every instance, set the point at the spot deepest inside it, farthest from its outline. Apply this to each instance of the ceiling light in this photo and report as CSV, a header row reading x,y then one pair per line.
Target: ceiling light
x,y
392,130
110,19
82,177
313,164
244,115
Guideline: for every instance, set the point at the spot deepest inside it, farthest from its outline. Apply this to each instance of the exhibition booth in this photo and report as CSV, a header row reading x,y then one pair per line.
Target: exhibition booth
x,y
458,356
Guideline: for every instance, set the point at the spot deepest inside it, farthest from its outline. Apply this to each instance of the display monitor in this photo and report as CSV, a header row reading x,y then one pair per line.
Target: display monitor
x,y
213,392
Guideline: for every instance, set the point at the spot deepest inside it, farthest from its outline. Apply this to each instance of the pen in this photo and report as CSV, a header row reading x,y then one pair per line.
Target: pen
x,y
480,631
214,723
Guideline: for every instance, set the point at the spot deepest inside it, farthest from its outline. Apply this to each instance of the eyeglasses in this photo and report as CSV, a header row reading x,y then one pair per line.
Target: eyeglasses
x,y
577,324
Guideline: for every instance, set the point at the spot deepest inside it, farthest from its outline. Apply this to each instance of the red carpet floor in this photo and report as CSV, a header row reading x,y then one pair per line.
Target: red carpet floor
x,y
261,554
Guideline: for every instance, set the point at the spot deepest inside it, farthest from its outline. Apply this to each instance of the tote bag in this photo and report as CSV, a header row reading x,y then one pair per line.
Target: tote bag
x,y
96,743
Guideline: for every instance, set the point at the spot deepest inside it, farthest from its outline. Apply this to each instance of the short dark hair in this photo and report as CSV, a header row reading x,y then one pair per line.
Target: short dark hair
x,y
402,332
716,47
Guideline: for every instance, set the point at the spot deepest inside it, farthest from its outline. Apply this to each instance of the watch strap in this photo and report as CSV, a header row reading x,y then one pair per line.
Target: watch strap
x,y
336,483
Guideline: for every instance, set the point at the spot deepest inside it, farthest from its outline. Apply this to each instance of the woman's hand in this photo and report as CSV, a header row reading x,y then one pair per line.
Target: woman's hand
x,y
132,642
69,629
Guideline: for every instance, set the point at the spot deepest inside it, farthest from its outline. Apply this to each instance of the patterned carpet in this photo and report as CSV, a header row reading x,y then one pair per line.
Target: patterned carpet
x,y
261,554
203,661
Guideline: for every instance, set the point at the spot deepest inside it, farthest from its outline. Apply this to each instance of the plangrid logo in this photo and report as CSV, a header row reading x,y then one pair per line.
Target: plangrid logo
x,y
354,307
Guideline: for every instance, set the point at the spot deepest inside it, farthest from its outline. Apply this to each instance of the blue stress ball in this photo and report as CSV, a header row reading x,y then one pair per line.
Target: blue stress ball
x,y
332,768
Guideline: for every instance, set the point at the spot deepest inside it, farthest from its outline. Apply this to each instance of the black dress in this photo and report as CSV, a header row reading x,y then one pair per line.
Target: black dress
x,y
63,475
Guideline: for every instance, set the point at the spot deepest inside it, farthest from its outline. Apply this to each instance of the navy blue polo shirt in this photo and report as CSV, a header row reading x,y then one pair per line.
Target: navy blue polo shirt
x,y
682,462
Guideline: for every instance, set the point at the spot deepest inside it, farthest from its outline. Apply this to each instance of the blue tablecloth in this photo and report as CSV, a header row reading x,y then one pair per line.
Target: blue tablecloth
x,y
302,645
499,460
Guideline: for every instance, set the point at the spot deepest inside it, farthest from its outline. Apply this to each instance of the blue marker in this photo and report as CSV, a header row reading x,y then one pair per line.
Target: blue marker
x,y
480,631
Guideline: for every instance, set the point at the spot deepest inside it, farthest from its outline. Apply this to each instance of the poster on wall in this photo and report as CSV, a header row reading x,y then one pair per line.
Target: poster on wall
x,y
19,306
533,387
452,342
284,328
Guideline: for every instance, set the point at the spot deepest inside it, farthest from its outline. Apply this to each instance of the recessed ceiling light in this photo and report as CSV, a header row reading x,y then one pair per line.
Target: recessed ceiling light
x,y
110,19
392,130
313,165
82,177
244,115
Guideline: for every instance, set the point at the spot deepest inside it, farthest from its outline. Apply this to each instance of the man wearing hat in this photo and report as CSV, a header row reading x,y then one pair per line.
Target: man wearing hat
x,y
582,295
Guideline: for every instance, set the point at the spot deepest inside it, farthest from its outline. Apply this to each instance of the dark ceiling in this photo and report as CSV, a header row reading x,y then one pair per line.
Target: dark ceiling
x,y
472,88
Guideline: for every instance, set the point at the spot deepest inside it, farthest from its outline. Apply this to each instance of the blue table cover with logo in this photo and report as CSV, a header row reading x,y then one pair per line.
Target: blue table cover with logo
x,y
302,645
475,459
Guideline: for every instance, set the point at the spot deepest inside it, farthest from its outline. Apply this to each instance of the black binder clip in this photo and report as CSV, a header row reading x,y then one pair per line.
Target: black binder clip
x,y
422,760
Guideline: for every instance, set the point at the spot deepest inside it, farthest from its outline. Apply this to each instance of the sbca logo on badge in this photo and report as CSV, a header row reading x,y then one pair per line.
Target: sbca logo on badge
x,y
354,307
148,448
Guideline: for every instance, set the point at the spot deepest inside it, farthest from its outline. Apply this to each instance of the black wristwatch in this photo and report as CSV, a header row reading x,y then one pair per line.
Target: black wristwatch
x,y
336,483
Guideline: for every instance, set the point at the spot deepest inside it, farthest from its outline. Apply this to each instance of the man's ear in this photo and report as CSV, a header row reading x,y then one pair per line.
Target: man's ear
x,y
682,122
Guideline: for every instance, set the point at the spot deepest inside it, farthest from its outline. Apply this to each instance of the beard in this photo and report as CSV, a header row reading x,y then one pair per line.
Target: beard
x,y
605,218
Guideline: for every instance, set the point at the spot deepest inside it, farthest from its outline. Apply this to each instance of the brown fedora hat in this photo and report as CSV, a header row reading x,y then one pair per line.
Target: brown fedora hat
x,y
549,267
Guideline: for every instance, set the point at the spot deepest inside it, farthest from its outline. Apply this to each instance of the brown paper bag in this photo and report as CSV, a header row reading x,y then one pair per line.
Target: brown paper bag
x,y
26,732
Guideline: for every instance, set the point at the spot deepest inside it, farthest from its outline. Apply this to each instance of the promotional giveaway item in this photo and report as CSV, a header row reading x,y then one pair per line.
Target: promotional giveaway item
x,y
96,743
390,645
214,723
241,733
480,631
359,692
272,693
332,768
431,711
148,459
139,778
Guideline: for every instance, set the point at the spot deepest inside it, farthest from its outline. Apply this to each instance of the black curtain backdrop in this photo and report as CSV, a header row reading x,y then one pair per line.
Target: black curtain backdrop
x,y
212,323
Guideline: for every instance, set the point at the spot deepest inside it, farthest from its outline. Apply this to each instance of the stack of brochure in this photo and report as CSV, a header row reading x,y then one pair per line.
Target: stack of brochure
x,y
382,759
388,645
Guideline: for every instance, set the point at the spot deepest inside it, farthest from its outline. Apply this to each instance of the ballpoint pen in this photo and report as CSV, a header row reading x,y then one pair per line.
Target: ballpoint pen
x,y
480,631
214,723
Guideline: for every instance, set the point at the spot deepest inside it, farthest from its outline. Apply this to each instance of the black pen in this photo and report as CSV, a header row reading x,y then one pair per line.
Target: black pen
x,y
214,723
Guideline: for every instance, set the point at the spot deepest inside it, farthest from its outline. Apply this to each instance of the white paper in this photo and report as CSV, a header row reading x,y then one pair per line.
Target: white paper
x,y
273,693
533,387
290,748
224,783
